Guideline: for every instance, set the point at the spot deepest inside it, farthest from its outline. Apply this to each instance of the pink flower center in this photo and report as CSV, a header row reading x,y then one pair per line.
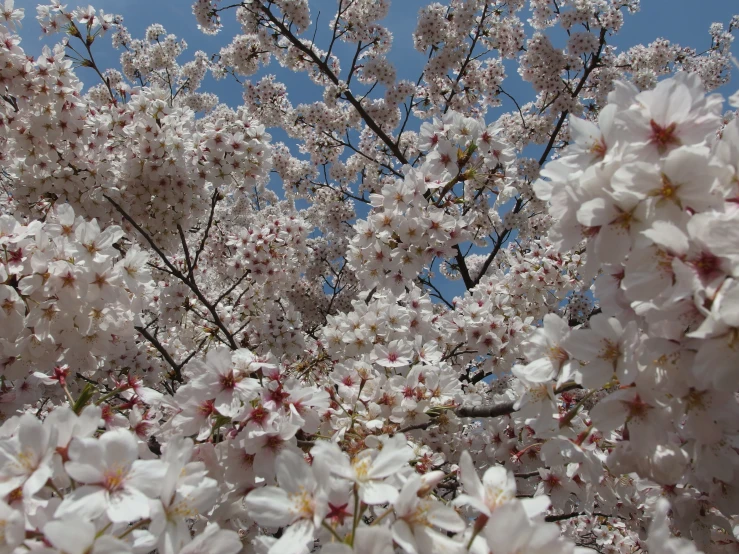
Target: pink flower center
x,y
706,265
663,137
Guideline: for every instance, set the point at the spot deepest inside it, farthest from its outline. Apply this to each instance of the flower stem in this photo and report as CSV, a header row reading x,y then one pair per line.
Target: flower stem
x,y
332,531
134,527
381,516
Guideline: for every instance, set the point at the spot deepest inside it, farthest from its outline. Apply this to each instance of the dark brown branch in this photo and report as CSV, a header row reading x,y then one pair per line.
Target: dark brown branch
x,y
232,287
527,475
199,251
463,67
479,377
494,410
588,70
562,517
11,100
326,70
186,251
463,269
177,368
496,248
354,63
436,292
178,274
547,150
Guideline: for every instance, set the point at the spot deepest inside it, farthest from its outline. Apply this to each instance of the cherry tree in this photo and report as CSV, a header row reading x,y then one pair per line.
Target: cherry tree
x,y
215,342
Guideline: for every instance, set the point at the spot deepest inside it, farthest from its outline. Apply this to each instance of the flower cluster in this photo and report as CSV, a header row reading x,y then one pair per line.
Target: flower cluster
x,y
417,337
648,196
93,492
69,300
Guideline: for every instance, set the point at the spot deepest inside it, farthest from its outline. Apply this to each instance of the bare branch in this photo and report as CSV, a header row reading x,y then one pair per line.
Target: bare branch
x,y
326,70
163,351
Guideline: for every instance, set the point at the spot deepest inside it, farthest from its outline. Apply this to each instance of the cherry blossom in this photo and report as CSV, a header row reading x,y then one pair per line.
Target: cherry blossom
x,y
413,313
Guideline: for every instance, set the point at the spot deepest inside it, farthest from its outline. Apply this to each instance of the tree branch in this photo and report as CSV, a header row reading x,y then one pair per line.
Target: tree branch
x,y
177,368
326,70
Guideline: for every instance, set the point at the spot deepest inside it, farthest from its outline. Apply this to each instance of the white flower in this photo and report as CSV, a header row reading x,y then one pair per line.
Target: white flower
x,y
370,468
225,379
510,531
660,540
606,349
25,459
395,354
416,517
186,492
276,437
74,535
114,481
646,418
675,113
214,541
300,502
12,15
95,245
367,540
544,350
716,358
497,487
617,220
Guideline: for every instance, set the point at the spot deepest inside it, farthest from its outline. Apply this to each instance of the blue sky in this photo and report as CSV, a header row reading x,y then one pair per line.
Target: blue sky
x,y
683,21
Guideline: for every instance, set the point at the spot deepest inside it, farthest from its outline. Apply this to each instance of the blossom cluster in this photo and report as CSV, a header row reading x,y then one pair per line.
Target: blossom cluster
x,y
648,195
69,490
69,300
416,338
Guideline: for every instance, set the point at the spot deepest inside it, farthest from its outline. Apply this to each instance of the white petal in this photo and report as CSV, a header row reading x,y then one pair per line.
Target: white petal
x,y
32,435
669,236
403,535
295,539
87,502
582,344
37,480
377,493
127,505
500,483
538,371
375,540
73,535
727,303
269,506
147,476
535,506
293,473
508,529
110,545
391,459
595,212
84,473
473,501
214,541
446,518
470,480
608,414
119,448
